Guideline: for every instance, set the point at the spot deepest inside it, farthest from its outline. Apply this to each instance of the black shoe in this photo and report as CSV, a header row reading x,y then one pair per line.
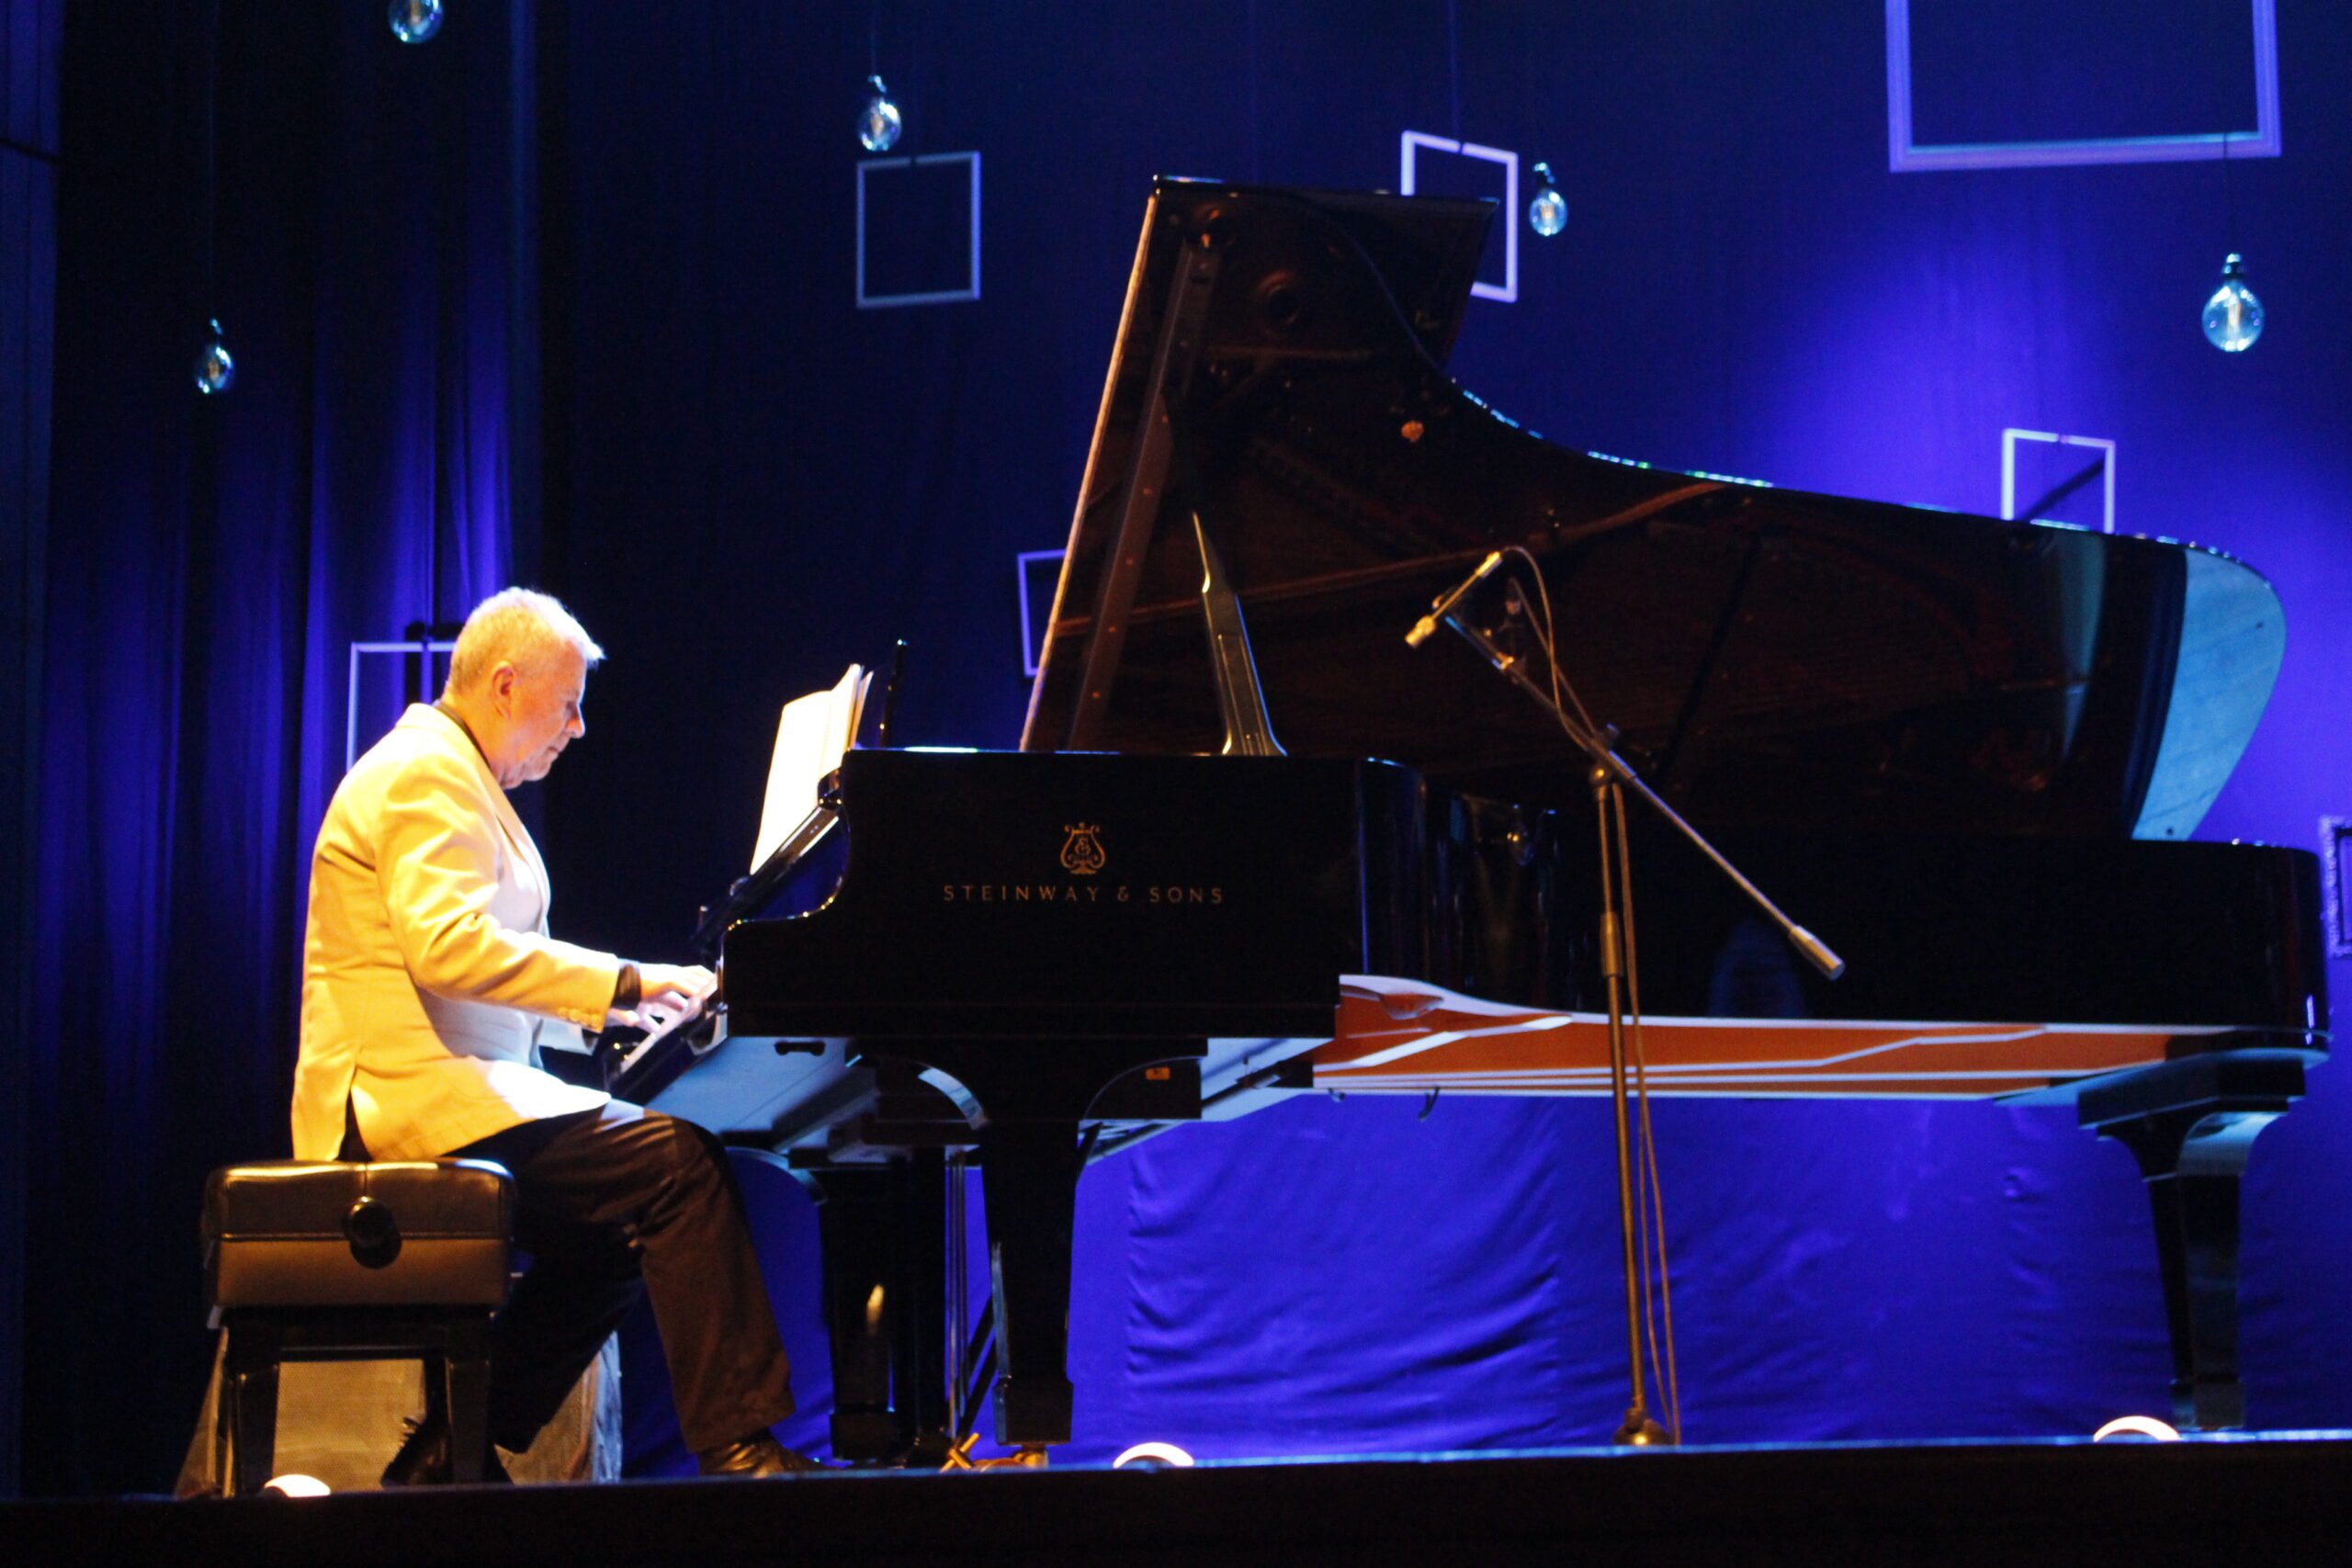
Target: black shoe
x,y
755,1456
424,1459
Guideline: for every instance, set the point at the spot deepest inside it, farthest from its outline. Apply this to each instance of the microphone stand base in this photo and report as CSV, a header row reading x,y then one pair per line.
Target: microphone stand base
x,y
1640,1432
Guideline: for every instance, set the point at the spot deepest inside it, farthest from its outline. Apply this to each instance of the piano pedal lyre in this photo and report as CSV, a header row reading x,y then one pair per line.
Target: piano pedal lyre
x,y
1032,1457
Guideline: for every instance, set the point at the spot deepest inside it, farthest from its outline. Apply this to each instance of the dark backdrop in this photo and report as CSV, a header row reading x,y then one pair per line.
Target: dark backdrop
x,y
29,51
567,294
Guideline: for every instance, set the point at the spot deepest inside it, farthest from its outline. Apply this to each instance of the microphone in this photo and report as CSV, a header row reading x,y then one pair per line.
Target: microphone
x,y
1817,950
1442,606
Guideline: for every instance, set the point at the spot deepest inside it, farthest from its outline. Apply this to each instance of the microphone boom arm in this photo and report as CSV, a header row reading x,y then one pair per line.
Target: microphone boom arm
x,y
1596,748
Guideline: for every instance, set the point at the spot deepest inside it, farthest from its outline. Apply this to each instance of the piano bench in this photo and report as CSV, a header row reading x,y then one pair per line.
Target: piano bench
x,y
322,1261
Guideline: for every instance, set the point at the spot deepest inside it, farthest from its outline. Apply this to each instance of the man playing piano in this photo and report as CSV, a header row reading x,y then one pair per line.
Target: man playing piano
x,y
429,986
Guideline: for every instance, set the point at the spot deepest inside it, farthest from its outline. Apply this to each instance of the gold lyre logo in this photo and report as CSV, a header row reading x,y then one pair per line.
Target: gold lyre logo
x,y
1083,851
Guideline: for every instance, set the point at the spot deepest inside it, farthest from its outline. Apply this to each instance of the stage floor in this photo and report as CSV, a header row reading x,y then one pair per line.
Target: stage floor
x,y
2272,1498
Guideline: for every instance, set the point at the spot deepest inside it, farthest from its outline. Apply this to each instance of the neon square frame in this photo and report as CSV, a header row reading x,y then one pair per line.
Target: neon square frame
x,y
351,685
2336,870
1906,156
938,297
2009,439
1413,141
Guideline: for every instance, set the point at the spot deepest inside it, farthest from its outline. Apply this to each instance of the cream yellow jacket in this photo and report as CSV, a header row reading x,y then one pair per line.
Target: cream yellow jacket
x,y
429,981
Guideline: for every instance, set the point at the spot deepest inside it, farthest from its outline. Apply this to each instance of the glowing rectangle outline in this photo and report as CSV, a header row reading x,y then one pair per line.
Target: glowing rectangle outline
x,y
1905,157
941,297
2009,439
1507,290
351,686
2335,866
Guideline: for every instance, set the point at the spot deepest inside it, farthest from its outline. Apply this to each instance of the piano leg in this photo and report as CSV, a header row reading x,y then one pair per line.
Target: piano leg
x,y
919,1352
2191,1124
854,1224
1026,1106
882,1230
1029,1174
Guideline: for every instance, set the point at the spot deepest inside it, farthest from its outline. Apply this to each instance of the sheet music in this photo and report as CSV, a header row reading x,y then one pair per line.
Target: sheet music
x,y
812,735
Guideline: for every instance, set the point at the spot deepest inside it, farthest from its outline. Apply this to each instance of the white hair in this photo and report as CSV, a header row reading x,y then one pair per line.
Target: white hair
x,y
519,626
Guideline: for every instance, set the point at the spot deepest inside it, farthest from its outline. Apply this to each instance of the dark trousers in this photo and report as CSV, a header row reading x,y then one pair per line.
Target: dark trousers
x,y
610,1203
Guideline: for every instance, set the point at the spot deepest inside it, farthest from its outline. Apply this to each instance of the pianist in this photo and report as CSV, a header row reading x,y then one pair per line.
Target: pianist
x,y
430,983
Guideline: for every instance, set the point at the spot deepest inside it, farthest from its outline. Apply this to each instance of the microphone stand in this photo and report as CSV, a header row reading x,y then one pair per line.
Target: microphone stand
x,y
1613,779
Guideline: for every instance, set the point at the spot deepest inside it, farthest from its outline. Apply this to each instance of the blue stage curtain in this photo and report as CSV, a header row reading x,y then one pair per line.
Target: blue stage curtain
x,y
29,42
212,560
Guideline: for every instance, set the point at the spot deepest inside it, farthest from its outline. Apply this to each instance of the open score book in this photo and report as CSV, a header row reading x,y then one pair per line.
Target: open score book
x,y
812,735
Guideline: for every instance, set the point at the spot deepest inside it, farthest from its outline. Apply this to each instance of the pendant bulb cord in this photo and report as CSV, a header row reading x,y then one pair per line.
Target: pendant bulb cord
x,y
1256,119
211,155
2229,199
1454,62
2229,186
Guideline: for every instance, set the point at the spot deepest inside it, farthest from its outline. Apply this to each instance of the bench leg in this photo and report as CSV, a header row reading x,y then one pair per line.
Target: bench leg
x,y
247,1436
464,1375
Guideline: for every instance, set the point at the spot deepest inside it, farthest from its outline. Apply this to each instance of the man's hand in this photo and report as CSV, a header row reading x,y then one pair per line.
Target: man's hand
x,y
667,994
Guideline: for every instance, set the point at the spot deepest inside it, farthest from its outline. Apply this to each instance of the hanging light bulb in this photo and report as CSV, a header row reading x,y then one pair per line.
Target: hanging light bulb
x,y
216,369
2233,316
414,21
878,125
1548,213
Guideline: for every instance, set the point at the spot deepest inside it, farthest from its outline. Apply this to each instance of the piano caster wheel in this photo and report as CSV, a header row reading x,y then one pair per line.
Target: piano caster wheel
x,y
960,1457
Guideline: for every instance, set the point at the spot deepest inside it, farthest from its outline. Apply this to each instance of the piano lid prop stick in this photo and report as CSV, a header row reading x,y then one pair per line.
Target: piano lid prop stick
x,y
1442,606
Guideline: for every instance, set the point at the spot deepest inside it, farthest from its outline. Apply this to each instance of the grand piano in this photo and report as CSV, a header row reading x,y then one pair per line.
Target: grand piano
x,y
1253,845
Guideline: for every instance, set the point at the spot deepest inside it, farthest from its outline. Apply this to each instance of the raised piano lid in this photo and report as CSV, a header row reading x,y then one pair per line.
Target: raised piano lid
x,y
1772,656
